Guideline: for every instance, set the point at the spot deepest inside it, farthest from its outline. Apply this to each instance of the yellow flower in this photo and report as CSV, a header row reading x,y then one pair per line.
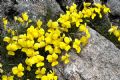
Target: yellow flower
x,y
30,61
112,29
25,16
29,43
39,60
76,45
105,9
36,46
62,45
116,33
49,76
39,23
4,77
12,47
57,50
40,72
11,53
73,8
65,58
67,40
52,24
86,4
5,21
30,52
84,40
20,20
53,59
49,48
98,5
7,39
18,70
83,27
67,47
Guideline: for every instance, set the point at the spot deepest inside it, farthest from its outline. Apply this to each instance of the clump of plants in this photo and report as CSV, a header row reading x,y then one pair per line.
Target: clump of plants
x,y
32,49
115,31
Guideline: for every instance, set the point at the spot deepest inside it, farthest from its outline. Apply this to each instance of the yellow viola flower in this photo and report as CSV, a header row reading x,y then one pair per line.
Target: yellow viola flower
x,y
31,52
65,58
30,61
20,20
86,4
25,16
97,10
49,48
98,5
41,32
11,53
105,9
4,77
48,40
67,40
73,8
53,59
29,36
39,61
39,23
67,47
51,76
36,46
49,24
93,15
57,50
5,21
84,40
116,33
66,24
22,43
87,34
28,68
22,36
62,45
14,38
7,39
112,29
76,45
29,43
42,44
82,27
18,70
40,72
12,47
42,38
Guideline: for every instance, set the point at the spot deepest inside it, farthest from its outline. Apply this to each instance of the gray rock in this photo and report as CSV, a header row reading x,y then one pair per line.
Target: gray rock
x,y
99,60
114,6
97,1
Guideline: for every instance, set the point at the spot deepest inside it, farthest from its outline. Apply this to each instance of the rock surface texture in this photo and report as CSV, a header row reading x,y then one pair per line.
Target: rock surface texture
x,y
114,6
99,60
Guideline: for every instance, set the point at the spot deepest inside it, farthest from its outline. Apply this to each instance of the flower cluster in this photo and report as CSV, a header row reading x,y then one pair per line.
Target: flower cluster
x,y
115,31
4,77
51,44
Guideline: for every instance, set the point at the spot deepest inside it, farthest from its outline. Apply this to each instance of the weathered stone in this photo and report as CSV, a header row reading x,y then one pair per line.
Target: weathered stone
x,y
114,6
97,1
99,60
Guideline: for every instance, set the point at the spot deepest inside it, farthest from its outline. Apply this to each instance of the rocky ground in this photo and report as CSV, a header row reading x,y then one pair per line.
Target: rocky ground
x,y
99,60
